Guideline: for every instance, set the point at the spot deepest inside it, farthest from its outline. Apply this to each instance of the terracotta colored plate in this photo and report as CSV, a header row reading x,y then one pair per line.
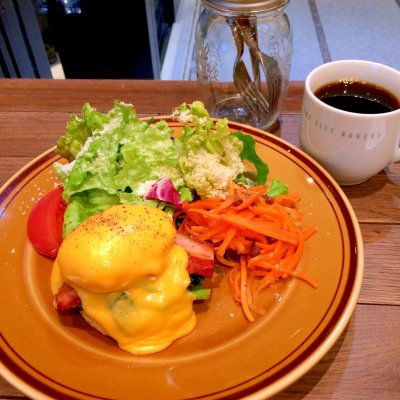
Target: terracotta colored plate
x,y
47,355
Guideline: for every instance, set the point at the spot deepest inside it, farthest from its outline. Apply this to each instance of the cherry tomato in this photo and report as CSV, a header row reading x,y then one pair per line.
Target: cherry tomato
x,y
45,223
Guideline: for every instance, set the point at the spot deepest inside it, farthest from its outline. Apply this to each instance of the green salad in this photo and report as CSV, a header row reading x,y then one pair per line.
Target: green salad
x,y
116,157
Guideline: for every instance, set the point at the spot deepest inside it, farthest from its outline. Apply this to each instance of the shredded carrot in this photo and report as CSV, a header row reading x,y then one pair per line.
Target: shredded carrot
x,y
230,233
226,262
244,289
259,238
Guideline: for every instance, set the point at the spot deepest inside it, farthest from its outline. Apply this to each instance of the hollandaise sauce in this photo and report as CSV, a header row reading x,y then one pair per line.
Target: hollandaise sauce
x,y
131,277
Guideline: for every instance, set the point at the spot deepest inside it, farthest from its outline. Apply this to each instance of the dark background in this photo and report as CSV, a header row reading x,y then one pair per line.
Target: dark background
x,y
99,39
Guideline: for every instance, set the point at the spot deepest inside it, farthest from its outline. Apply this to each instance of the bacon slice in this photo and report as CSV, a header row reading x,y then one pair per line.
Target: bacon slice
x,y
66,298
201,255
201,266
195,247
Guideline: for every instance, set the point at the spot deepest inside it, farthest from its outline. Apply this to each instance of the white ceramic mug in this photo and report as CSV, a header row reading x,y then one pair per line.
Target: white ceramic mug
x,y
351,146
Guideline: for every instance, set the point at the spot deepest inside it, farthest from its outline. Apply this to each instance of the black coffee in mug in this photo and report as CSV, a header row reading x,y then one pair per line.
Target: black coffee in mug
x,y
358,97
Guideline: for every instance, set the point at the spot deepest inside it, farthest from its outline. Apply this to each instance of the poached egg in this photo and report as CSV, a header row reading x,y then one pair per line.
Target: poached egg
x,y
130,275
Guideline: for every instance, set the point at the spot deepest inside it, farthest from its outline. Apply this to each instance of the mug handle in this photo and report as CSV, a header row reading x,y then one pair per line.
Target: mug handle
x,y
396,154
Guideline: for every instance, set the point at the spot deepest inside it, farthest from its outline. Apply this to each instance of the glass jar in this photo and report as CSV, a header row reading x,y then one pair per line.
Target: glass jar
x,y
243,58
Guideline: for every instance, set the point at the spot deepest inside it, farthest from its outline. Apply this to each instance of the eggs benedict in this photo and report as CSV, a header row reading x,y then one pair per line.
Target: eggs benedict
x,y
128,275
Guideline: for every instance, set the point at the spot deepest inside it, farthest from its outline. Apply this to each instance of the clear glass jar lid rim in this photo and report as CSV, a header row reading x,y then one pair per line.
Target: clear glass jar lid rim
x,y
245,6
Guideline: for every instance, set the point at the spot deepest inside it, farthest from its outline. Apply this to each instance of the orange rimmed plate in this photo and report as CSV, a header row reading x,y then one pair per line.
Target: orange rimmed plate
x,y
48,355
